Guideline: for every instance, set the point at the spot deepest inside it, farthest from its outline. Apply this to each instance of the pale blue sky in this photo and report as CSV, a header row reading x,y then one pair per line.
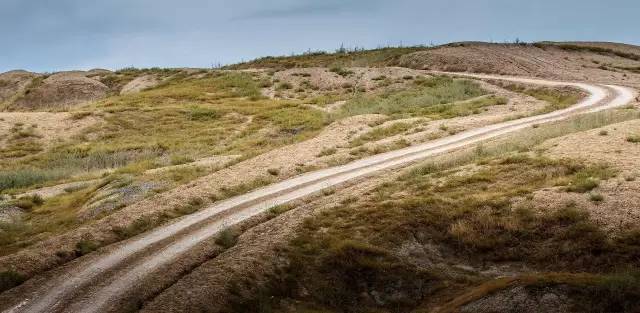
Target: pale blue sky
x,y
45,35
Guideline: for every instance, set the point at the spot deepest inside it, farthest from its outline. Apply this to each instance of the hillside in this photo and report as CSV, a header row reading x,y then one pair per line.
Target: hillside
x,y
224,190
568,61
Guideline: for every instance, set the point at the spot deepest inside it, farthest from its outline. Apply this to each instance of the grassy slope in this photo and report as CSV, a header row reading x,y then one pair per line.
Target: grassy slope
x,y
390,56
433,98
186,118
352,250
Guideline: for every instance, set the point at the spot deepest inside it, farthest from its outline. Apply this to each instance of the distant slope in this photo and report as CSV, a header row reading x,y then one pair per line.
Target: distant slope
x,y
590,61
25,91
358,58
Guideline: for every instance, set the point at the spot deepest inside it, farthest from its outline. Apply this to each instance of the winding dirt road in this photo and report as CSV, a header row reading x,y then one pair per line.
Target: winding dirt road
x,y
93,283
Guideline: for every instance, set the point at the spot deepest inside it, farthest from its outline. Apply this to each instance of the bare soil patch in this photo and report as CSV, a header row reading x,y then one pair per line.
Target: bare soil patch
x,y
59,92
50,127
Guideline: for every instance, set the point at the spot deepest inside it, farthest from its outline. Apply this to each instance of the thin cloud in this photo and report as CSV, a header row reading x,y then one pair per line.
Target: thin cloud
x,y
308,9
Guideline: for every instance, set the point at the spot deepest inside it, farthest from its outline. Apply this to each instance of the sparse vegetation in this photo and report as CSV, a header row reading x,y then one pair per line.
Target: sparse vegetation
x,y
327,151
381,132
594,49
470,214
356,58
341,71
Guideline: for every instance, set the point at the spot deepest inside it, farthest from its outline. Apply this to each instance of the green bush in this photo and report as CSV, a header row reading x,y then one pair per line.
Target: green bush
x,y
86,246
227,238
139,226
284,86
633,138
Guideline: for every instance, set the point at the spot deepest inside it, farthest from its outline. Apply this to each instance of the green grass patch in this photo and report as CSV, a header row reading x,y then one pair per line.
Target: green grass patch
x,y
429,97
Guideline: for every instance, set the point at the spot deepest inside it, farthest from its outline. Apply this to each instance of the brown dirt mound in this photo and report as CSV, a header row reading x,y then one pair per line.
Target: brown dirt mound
x,y
11,83
600,62
60,91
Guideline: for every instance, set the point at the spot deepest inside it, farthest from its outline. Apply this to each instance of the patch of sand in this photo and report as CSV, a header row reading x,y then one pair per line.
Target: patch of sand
x,y
139,84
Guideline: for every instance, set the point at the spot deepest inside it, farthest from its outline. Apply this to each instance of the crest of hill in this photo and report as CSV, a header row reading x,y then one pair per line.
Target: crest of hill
x,y
581,61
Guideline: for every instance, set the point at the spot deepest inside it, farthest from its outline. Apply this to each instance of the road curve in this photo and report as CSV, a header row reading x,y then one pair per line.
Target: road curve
x,y
75,291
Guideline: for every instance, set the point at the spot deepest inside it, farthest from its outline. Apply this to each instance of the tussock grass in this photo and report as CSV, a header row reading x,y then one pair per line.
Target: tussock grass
x,y
245,187
633,138
138,226
279,209
86,246
381,132
327,152
227,238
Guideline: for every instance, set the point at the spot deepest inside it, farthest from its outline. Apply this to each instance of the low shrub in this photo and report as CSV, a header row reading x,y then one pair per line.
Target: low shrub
x,y
10,279
86,246
633,138
227,238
